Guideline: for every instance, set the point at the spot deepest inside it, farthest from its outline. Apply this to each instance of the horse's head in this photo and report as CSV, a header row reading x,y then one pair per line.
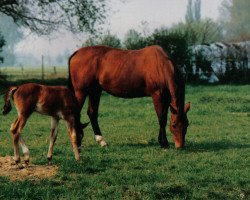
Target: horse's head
x,y
80,134
178,125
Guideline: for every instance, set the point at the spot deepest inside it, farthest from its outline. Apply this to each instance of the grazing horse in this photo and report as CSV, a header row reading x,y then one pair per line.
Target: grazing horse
x,y
55,101
131,74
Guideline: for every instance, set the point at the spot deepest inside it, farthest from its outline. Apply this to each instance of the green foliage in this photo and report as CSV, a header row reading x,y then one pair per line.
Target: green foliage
x,y
46,16
214,164
134,40
2,43
174,43
235,18
107,39
205,31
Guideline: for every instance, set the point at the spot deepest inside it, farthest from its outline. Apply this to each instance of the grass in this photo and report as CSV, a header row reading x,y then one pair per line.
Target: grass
x,y
214,165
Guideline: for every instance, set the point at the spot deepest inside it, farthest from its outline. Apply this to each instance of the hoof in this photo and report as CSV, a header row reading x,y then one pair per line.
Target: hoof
x,y
15,161
103,143
49,161
100,140
27,162
20,166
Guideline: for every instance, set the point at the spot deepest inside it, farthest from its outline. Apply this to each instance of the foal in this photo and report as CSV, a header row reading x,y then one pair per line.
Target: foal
x,y
55,101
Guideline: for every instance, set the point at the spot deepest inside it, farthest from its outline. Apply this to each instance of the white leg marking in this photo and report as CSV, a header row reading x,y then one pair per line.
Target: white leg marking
x,y
25,149
53,135
100,140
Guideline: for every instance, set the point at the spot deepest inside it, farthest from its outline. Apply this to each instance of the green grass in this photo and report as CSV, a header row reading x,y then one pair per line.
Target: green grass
x,y
214,165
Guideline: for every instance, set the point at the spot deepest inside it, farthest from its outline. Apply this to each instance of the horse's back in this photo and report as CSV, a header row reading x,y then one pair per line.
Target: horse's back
x,y
125,73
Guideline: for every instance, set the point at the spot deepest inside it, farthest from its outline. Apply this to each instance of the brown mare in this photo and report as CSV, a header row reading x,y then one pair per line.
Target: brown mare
x,y
55,101
131,74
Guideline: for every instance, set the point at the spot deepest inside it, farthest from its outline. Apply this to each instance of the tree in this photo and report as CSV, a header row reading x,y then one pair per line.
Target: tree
x,y
12,35
235,17
2,43
193,13
134,40
110,40
2,76
46,16
107,39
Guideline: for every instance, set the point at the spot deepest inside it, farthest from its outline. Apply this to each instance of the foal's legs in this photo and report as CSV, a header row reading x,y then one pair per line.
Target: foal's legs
x,y
94,100
161,108
25,150
73,137
53,136
16,129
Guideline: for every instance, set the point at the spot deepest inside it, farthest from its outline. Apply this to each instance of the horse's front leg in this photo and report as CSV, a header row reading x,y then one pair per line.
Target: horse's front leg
x,y
53,136
161,109
94,100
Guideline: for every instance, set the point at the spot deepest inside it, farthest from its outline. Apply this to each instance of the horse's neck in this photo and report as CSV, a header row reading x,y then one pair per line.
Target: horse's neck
x,y
177,96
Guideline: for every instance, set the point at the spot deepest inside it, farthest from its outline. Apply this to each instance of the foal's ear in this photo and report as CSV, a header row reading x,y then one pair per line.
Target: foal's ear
x,y
84,125
173,109
187,107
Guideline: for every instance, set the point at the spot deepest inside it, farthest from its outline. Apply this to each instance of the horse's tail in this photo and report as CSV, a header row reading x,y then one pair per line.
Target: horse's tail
x,y
7,104
70,85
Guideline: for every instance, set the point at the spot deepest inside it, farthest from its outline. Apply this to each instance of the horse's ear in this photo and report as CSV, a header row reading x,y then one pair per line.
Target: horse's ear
x,y
187,107
172,109
84,125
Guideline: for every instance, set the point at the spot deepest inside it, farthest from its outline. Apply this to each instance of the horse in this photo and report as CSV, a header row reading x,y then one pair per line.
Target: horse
x,y
131,74
55,101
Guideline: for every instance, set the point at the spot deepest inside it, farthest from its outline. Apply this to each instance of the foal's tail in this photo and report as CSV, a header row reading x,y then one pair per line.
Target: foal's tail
x,y
7,105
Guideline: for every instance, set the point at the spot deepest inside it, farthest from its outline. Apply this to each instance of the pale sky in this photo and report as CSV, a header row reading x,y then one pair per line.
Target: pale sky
x,y
126,14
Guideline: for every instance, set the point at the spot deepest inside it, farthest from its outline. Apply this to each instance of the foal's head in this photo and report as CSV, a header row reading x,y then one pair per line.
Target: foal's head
x,y
178,125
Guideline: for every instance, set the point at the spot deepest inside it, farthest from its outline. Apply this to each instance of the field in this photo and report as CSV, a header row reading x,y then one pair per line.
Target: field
x,y
24,73
214,165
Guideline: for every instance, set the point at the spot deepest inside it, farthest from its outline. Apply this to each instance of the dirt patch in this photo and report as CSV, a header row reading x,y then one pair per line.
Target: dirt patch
x,y
22,171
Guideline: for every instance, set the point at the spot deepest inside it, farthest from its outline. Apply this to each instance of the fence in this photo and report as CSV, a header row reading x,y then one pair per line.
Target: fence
x,y
22,73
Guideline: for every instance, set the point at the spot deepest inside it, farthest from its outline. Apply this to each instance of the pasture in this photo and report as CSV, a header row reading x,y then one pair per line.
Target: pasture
x,y
214,165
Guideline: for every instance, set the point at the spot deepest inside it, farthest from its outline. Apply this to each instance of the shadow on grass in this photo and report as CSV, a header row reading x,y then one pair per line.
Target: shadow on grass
x,y
209,146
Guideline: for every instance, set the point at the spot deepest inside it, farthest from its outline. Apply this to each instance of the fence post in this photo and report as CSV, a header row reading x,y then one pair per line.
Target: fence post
x,y
42,68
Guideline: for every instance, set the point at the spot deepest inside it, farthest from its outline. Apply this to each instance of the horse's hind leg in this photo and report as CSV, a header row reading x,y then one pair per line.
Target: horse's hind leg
x,y
161,109
94,100
53,136
16,129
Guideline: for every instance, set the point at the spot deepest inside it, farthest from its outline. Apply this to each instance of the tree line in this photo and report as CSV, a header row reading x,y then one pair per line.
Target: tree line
x,y
44,17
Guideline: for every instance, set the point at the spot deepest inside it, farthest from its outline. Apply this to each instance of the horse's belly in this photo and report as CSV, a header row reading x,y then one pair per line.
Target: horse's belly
x,y
124,89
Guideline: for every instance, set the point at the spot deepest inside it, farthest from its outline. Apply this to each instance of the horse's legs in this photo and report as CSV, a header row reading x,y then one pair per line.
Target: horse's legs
x,y
94,100
81,97
73,137
16,129
53,136
161,108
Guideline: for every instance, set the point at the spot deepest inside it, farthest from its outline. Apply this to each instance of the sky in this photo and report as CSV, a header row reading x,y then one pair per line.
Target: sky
x,y
124,15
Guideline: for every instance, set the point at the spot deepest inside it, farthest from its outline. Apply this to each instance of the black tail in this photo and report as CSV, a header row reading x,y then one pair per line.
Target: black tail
x,y
70,85
7,105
